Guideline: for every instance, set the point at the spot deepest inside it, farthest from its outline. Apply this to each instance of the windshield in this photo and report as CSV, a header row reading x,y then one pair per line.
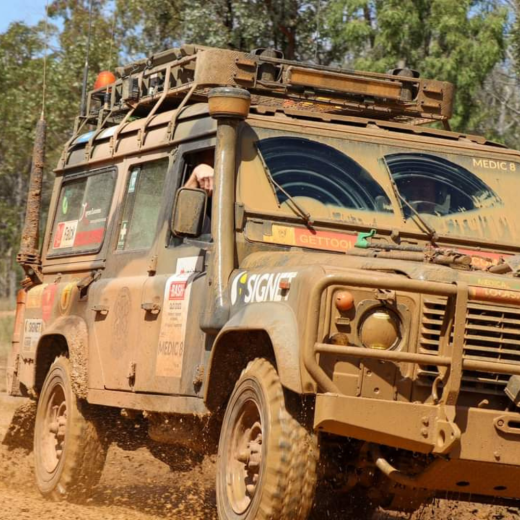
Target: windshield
x,y
318,172
457,194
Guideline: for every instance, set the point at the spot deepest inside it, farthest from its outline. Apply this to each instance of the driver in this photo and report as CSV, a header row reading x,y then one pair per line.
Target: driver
x,y
203,174
426,196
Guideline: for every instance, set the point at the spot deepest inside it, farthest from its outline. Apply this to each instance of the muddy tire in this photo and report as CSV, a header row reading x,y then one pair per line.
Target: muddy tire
x,y
69,452
266,466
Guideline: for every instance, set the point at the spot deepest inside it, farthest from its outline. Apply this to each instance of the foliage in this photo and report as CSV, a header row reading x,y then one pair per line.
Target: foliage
x,y
459,41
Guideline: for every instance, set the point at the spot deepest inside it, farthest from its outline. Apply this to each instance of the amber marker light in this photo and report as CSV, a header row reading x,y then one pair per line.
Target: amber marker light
x,y
104,79
344,301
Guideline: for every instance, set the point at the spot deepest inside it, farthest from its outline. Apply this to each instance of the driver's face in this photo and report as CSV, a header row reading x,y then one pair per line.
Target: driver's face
x,y
421,190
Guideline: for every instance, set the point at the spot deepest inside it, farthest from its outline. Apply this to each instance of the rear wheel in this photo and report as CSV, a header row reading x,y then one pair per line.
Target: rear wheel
x,y
267,459
68,448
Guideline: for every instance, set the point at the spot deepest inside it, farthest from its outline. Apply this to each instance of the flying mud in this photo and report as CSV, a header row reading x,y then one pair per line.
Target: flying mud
x,y
137,486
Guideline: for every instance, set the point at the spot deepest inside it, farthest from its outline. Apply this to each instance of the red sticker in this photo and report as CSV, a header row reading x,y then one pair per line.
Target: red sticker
x,y
48,301
88,238
58,235
177,290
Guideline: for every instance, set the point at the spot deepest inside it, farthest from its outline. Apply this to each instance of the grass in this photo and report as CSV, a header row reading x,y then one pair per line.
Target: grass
x,y
6,328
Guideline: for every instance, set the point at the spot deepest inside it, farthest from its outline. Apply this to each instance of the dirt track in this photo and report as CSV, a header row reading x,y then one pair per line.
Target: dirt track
x,y
136,486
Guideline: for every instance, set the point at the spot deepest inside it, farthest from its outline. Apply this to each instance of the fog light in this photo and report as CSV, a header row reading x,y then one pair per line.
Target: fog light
x,y
380,329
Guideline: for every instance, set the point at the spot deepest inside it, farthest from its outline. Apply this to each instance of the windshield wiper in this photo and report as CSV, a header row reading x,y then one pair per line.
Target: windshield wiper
x,y
298,210
432,233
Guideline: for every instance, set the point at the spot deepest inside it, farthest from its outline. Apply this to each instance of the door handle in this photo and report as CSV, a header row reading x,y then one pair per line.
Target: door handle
x,y
153,308
102,309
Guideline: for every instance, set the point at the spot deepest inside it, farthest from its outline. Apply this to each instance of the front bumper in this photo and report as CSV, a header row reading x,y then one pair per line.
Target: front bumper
x,y
485,460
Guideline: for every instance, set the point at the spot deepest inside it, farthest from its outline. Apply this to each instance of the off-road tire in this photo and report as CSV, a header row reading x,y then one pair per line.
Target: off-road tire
x,y
73,474
289,452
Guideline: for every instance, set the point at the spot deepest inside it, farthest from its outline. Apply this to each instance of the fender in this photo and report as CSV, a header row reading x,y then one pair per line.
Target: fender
x,y
75,332
278,320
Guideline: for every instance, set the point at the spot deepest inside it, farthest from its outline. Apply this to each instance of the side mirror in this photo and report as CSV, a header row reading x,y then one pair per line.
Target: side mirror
x,y
188,212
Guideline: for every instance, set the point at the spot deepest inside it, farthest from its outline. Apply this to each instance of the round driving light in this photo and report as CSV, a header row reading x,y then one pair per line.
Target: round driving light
x,y
344,301
380,329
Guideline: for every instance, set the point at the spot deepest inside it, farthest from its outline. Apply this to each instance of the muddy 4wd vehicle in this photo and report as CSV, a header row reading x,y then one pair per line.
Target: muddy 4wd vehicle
x,y
344,306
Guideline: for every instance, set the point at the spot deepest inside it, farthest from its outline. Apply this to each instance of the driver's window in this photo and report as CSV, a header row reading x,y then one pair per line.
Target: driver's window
x,y
198,172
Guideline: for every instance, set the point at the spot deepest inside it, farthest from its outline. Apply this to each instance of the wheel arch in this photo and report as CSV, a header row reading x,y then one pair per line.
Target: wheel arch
x,y
68,335
268,330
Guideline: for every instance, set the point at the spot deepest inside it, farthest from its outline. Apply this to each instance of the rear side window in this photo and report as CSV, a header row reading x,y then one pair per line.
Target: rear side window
x,y
82,214
144,193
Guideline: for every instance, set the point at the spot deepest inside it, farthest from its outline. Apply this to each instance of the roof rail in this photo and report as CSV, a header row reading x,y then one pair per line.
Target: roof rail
x,y
186,74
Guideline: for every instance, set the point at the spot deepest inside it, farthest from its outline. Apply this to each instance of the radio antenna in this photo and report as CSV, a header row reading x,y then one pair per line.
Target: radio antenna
x,y
83,109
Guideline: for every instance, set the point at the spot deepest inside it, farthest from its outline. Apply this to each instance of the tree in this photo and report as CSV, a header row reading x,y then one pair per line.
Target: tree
x,y
459,41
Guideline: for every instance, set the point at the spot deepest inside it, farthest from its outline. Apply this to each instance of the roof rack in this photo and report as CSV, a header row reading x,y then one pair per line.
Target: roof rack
x,y
173,78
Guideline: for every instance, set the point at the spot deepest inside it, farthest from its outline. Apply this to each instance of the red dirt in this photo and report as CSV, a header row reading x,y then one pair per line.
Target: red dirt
x,y
136,486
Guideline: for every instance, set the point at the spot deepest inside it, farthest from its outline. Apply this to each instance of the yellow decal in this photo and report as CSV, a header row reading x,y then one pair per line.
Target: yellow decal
x,y
66,296
281,235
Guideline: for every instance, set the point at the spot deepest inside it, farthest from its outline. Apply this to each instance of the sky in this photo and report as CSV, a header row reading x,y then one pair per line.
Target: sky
x,y
28,11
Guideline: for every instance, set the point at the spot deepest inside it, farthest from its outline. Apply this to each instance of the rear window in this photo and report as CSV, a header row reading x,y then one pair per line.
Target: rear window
x,y
82,214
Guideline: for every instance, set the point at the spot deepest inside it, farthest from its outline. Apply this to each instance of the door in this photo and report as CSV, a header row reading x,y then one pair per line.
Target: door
x,y
116,298
172,347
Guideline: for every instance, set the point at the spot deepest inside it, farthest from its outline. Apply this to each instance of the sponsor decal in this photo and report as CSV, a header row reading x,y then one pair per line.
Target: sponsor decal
x,y
325,240
172,335
496,295
190,264
49,294
65,234
34,297
133,180
32,330
91,237
66,296
258,288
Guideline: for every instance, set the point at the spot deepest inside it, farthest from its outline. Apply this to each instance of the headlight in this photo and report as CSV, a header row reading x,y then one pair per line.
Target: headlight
x,y
380,329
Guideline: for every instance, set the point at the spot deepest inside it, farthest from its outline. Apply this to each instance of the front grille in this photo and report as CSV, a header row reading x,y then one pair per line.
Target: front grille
x,y
492,333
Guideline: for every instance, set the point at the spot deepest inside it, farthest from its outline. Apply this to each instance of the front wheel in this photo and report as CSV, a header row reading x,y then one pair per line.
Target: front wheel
x,y
267,460
69,453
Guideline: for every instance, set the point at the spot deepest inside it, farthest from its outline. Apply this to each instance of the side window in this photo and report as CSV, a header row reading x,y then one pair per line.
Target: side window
x,y
142,204
198,171
82,214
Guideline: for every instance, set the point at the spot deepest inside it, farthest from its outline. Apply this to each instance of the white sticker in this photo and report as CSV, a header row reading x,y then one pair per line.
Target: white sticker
x,y
133,180
190,264
32,331
65,234
258,288
170,351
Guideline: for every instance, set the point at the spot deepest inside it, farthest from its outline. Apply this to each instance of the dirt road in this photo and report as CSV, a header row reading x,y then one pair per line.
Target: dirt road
x,y
136,486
